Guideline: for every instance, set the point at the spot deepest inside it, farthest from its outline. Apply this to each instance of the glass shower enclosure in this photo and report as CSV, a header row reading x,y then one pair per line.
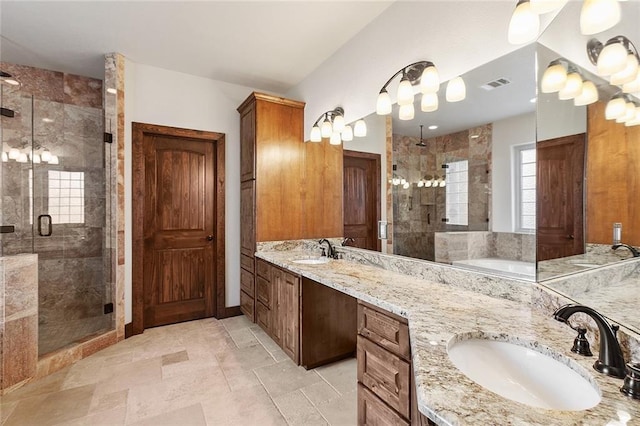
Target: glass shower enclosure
x,y
54,198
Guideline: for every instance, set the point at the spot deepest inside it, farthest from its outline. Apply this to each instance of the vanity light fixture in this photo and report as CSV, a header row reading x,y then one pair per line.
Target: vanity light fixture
x,y
588,96
331,125
5,157
573,85
616,107
456,90
633,86
617,58
14,153
597,16
545,6
563,77
554,77
524,25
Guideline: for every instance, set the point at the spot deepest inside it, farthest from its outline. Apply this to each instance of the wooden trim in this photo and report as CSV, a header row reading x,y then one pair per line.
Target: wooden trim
x,y
230,311
128,330
139,130
270,98
377,158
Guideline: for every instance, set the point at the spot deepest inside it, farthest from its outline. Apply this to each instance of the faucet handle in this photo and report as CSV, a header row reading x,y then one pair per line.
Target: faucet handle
x,y
631,386
581,344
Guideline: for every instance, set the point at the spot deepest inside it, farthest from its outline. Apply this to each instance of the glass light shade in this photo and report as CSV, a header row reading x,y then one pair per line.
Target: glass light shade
x,y
347,134
407,112
588,96
430,80
338,123
14,153
633,86
383,105
628,74
5,157
597,16
420,183
35,159
22,158
406,185
326,130
629,113
428,184
524,25
429,102
405,92
546,6
612,59
456,90
395,181
442,183
335,139
635,121
572,88
554,78
316,134
616,108
45,156
54,159
360,129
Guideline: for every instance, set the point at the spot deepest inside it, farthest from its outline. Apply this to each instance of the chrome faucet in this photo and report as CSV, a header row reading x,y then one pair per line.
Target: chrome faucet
x,y
634,251
331,252
610,361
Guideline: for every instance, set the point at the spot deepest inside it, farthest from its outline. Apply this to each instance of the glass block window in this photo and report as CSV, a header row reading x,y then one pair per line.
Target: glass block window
x,y
66,196
525,173
457,193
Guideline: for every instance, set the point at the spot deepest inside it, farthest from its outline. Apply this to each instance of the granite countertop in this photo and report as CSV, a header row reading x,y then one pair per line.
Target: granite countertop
x,y
436,313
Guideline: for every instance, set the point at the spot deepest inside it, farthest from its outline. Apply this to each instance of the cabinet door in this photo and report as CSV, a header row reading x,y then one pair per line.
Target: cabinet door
x,y
276,308
289,294
248,142
247,218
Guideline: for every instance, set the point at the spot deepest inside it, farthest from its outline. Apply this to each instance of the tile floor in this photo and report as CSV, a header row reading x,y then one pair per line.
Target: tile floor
x,y
205,372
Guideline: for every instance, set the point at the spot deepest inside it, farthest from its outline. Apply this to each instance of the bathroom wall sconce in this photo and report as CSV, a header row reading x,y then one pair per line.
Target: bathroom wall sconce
x,y
596,16
617,59
426,75
563,77
429,181
623,110
331,125
24,157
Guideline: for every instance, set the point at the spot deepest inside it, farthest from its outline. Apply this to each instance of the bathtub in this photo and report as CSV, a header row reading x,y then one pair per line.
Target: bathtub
x,y
505,267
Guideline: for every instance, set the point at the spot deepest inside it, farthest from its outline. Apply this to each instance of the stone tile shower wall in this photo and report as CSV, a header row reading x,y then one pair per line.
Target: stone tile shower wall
x,y
418,212
71,266
452,246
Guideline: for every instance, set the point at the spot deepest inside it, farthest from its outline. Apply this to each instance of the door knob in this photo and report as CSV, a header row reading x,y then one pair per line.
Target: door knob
x,y
209,237
570,237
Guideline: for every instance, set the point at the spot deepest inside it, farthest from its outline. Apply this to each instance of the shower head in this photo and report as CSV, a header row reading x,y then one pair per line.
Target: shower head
x,y
421,143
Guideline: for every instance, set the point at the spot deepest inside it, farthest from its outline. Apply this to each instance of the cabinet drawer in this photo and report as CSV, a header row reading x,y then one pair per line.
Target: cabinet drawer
x,y
247,262
246,282
263,317
391,333
263,269
373,412
246,305
385,374
263,291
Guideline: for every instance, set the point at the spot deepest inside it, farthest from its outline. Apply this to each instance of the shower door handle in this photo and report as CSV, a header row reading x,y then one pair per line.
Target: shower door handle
x,y
46,219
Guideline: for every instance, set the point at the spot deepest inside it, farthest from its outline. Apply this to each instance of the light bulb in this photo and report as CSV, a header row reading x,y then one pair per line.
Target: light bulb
x,y
35,159
54,159
456,90
405,92
524,25
612,59
395,181
635,121
428,184
335,139
5,157
347,134
406,185
326,129
420,183
572,88
597,16
383,105
442,183
14,153
616,108
628,74
430,80
407,112
22,158
545,6
338,123
429,102
629,113
633,86
360,129
45,156
554,78
588,96
316,134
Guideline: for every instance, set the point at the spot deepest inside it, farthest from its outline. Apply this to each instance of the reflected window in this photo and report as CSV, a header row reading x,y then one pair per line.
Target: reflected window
x,y
525,174
66,196
457,194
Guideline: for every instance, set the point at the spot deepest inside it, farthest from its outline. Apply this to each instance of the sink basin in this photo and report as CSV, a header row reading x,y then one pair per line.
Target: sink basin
x,y
312,260
521,372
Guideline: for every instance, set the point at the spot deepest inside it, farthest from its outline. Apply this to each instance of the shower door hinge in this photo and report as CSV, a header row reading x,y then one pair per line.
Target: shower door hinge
x,y
108,137
445,219
7,229
108,308
6,112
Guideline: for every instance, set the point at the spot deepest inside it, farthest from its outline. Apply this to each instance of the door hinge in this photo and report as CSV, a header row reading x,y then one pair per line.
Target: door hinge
x,y
445,219
6,112
108,137
7,229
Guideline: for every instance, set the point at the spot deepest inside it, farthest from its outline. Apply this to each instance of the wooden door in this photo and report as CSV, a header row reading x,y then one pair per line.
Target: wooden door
x,y
178,226
361,180
289,313
560,183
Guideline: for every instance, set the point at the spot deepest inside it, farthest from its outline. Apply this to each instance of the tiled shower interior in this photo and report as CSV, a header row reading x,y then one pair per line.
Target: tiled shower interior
x,y
54,172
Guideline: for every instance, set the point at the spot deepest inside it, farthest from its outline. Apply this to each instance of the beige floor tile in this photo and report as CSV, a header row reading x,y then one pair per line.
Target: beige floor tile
x,y
341,411
243,337
248,358
175,358
250,406
342,375
236,323
109,401
6,409
112,417
320,392
126,376
285,377
298,410
191,416
51,383
272,347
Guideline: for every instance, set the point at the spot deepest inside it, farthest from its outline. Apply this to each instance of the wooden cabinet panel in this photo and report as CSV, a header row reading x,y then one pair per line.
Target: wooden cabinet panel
x,y
288,311
263,317
385,374
390,332
247,219
247,142
246,282
373,412
247,262
264,291
246,305
263,269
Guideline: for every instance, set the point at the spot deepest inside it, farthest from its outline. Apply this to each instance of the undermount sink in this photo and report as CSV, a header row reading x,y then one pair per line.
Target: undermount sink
x,y
312,260
521,372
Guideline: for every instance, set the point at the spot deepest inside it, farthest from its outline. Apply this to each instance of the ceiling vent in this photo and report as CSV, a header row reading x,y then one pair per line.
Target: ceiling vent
x,y
494,84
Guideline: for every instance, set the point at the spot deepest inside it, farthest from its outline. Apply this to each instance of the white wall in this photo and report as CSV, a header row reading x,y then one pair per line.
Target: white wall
x,y
158,96
507,133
